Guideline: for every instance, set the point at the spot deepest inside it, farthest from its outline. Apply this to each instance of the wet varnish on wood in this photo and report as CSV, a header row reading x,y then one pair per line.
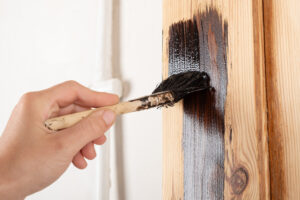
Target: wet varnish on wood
x,y
203,114
215,143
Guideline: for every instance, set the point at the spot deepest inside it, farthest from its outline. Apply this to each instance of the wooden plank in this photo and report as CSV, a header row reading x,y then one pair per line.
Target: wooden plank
x,y
282,42
217,158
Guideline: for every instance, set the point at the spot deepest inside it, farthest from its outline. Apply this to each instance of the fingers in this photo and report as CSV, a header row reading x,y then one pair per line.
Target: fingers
x,y
72,108
87,130
72,92
79,161
88,151
100,140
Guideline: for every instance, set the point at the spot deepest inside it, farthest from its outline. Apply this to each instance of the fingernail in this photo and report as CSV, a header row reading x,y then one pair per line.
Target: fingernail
x,y
109,117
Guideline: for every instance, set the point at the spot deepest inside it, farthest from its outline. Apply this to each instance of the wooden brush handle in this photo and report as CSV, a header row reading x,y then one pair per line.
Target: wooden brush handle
x,y
157,99
66,121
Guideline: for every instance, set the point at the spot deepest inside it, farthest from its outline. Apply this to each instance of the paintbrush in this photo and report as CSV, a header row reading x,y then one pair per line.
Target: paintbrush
x,y
167,93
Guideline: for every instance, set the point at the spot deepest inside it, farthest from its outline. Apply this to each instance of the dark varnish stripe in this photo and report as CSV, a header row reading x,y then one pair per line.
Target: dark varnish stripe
x,y
200,44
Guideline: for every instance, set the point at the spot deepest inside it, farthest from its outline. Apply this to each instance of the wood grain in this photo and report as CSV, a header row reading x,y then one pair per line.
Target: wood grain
x,y
260,100
282,48
245,139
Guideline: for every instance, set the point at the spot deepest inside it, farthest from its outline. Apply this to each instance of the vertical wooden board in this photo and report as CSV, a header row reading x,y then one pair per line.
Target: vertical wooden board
x,y
282,48
238,166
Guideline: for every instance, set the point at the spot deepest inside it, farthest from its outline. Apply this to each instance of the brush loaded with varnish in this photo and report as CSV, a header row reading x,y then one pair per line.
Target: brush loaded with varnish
x,y
169,91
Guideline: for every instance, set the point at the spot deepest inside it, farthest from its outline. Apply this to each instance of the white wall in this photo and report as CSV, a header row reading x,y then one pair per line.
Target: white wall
x,y
141,55
46,42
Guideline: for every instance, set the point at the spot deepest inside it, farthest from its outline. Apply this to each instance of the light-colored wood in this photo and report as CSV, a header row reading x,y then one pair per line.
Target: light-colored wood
x,y
245,123
282,42
172,153
172,183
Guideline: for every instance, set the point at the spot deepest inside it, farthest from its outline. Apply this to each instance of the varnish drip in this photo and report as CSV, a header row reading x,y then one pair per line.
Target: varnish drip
x,y
200,44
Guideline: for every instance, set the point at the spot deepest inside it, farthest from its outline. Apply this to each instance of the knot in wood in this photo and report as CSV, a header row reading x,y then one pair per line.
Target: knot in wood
x,y
239,180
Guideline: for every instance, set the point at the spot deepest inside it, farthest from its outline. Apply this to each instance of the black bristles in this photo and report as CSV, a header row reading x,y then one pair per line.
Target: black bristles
x,y
184,83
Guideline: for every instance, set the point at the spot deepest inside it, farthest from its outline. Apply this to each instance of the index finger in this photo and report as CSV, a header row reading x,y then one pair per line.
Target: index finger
x,y
71,92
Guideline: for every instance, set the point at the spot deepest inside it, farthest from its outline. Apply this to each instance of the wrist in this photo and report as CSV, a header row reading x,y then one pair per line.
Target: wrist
x,y
8,191
10,188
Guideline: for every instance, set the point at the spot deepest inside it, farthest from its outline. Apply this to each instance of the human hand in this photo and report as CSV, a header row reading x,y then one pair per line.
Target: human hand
x,y
31,156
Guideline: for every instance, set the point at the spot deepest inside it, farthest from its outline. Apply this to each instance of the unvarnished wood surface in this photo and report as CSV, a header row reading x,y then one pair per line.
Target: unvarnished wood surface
x,y
246,153
282,42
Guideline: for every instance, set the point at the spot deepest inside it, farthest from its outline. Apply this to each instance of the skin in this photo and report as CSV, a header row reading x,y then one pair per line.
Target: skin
x,y
31,156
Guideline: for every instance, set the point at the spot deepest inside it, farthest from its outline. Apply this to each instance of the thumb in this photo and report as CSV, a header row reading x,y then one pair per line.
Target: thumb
x,y
88,129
